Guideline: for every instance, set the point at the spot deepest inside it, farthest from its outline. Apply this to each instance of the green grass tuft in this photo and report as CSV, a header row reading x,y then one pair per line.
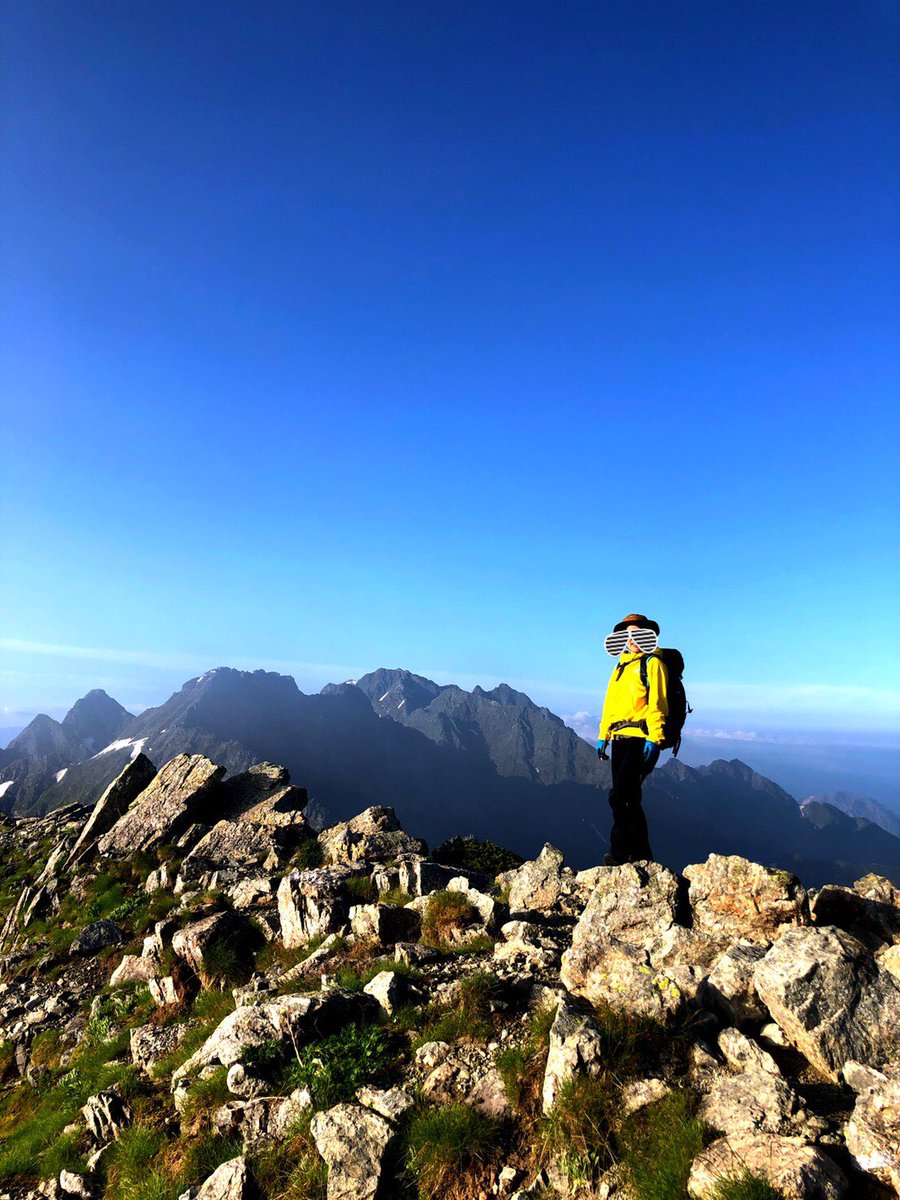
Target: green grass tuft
x,y
658,1144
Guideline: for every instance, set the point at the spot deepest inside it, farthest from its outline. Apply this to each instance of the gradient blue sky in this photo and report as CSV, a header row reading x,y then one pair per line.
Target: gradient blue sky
x,y
442,335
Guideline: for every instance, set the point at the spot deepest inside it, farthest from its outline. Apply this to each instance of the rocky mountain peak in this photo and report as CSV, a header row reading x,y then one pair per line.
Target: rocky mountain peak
x,y
311,1009
97,719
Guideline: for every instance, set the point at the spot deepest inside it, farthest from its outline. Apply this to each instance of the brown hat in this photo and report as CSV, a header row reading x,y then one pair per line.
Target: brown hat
x,y
638,619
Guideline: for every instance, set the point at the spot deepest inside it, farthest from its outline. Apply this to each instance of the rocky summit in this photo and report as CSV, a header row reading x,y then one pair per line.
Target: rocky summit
x,y
205,997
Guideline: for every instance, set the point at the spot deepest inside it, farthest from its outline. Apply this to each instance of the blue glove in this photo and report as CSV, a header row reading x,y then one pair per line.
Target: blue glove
x,y
651,753
601,751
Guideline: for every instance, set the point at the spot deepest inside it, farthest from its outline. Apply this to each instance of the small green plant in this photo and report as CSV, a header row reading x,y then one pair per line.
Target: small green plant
x,y
579,1124
333,1068
449,1149
395,895
658,1144
307,855
745,1186
293,1169
361,889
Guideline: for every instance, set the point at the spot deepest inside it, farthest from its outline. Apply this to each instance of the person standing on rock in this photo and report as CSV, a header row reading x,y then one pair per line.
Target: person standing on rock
x,y
633,718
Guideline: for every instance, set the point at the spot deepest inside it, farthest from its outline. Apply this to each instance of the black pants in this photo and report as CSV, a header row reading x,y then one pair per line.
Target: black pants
x,y
628,841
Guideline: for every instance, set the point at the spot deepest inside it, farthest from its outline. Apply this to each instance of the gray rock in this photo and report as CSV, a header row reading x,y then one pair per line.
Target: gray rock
x,y
150,1043
375,835
243,1083
798,1171
106,1115
743,1054
194,942
634,903
873,1131
389,988
731,986
575,1048
314,902
124,789
164,809
135,968
489,1095
614,973
263,1119
733,898
263,795
754,1102
389,1102
538,884
641,1092
352,1140
385,924
96,937
419,877
233,848
831,998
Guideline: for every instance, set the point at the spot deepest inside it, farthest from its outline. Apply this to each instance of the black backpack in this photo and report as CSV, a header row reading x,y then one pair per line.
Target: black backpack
x,y
678,704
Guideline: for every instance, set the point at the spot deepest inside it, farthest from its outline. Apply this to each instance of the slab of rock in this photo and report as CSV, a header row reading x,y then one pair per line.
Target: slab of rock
x,y
264,795
873,1131
151,1043
609,972
831,998
575,1048
389,988
227,1182
293,1019
374,835
115,801
236,847
733,898
180,791
641,1092
536,885
135,968
262,1119
353,1141
526,947
315,902
194,942
389,1102
798,1171
634,903
419,877
96,937
743,1054
489,1096
731,987
385,924
754,1102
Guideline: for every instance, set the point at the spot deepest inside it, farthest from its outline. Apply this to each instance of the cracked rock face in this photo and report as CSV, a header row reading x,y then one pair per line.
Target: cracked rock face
x,y
873,1131
798,1171
352,1140
165,808
576,1048
314,902
733,898
831,998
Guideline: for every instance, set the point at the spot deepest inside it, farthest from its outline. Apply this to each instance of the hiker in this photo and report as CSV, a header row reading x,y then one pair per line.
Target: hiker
x,y
634,718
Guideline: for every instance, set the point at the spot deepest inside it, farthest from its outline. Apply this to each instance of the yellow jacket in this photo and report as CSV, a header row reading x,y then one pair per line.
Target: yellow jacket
x,y
627,699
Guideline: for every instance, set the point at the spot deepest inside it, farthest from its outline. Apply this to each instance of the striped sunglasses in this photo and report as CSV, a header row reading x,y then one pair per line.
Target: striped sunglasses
x,y
645,639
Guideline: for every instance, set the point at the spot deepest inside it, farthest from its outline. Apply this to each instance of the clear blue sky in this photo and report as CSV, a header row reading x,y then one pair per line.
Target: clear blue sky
x,y
442,335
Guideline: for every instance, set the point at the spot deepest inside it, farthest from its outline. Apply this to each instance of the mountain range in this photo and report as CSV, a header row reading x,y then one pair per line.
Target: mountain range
x,y
490,763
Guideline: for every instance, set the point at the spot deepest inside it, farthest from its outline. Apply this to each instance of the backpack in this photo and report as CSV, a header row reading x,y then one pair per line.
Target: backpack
x,y
678,703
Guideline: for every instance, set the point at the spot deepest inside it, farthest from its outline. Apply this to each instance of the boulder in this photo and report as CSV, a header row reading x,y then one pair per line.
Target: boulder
x,y
294,1018
733,898
179,792
96,937
489,1096
634,903
419,877
538,884
195,942
831,998
389,1102
870,910
314,902
235,848
389,988
798,1171
375,835
106,1115
150,1043
262,1119
353,1141
610,972
873,1131
641,1092
264,795
227,1182
135,968
385,924
576,1048
743,1054
524,946
731,987
124,789
490,911
754,1102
